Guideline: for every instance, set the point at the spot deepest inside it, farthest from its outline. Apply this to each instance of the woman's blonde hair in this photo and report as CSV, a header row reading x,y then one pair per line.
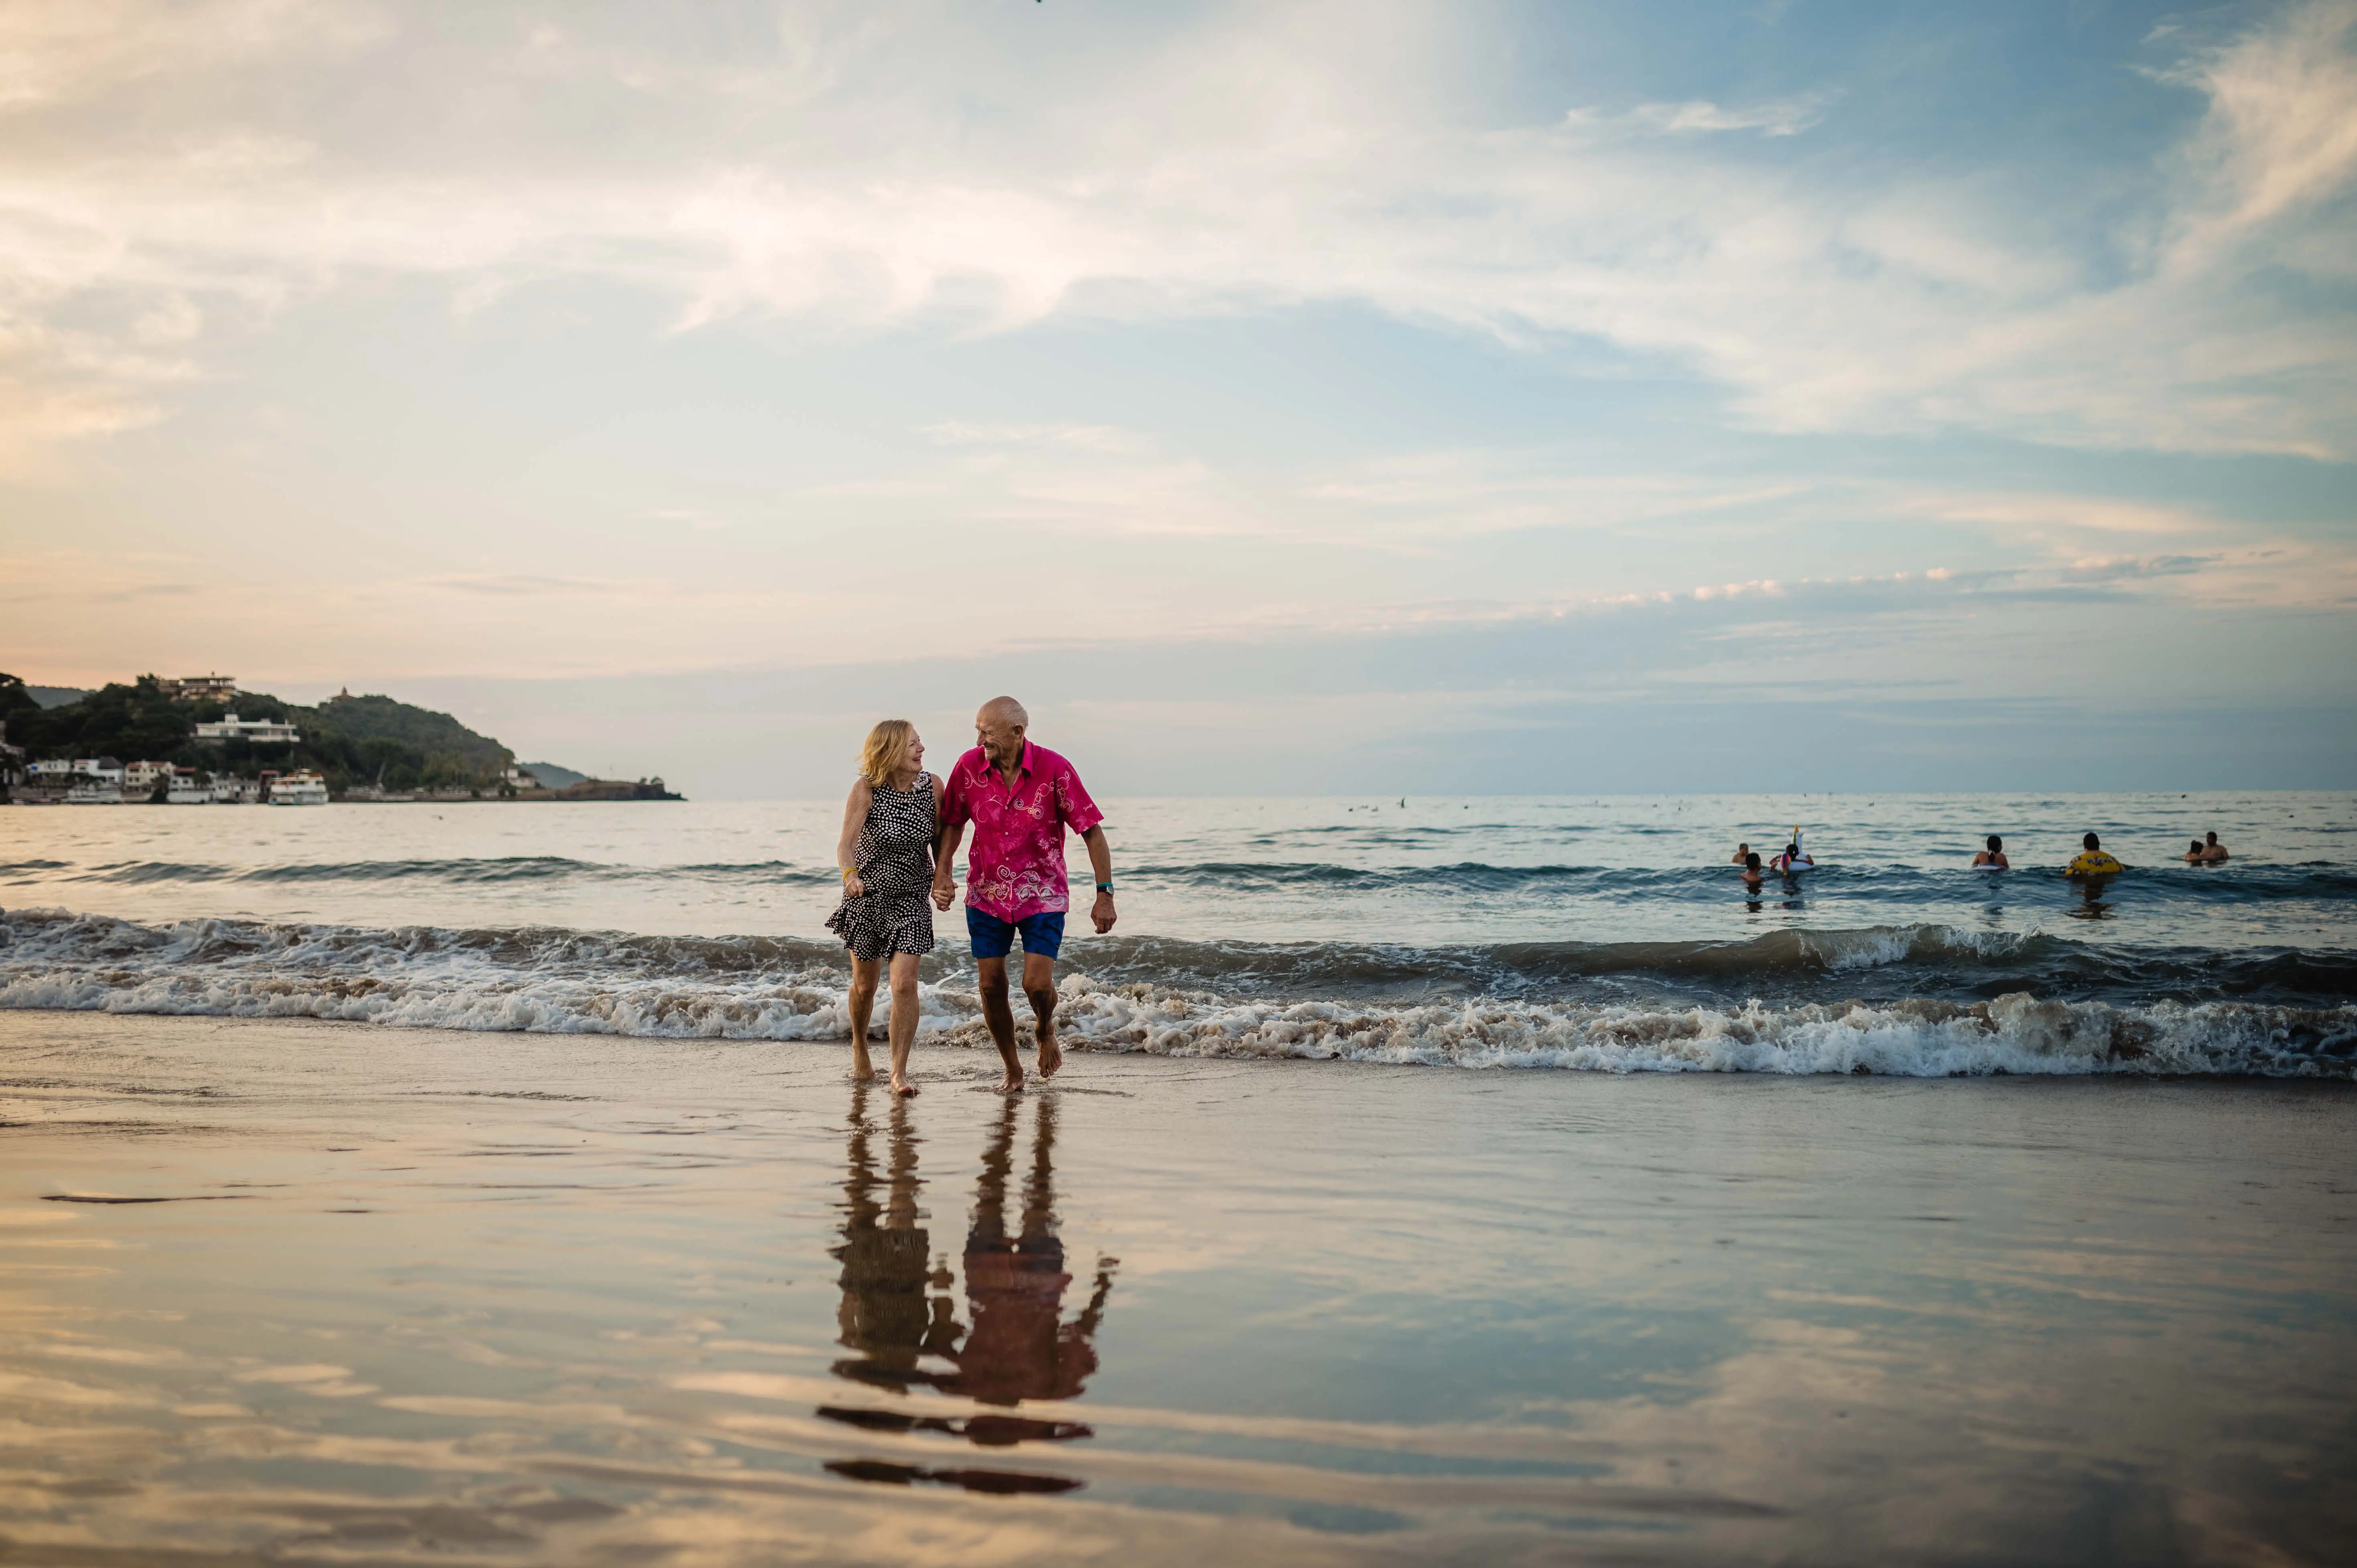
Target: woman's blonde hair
x,y
886,744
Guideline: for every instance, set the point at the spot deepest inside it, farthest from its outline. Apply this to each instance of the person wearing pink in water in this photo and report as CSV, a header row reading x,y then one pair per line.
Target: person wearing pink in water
x,y
1021,799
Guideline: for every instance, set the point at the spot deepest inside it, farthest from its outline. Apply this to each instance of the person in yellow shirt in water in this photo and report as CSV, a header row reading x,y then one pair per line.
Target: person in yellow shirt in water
x,y
2092,861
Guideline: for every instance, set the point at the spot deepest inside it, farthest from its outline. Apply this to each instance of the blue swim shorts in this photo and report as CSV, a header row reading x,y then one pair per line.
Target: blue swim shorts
x,y
1042,934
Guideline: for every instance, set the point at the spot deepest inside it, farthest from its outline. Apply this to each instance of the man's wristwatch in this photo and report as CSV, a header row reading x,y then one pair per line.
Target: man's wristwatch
x,y
1105,888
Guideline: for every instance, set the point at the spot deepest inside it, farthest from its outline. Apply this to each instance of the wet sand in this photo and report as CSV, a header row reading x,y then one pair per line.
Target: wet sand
x,y
296,1291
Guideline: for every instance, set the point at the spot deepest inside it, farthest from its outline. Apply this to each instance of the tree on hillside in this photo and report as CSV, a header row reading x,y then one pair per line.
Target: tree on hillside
x,y
13,697
352,740
127,723
436,740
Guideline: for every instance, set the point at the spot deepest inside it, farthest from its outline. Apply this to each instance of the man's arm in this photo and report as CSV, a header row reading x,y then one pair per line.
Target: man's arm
x,y
1101,862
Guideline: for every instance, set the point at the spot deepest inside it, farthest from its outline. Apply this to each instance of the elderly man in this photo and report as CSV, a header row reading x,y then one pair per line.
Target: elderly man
x,y
1020,798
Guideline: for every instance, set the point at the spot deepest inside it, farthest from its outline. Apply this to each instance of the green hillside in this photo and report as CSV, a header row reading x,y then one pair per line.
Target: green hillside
x,y
352,740
376,729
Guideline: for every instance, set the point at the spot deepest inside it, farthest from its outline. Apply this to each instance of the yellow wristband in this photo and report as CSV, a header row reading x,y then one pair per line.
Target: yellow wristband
x,y
848,872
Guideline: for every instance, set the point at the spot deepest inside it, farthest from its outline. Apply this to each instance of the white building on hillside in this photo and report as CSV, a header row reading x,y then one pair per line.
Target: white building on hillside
x,y
61,769
142,778
262,732
199,688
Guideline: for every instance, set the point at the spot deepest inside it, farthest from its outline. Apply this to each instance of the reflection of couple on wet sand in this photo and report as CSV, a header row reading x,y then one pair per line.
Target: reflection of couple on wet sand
x,y
901,828
897,1313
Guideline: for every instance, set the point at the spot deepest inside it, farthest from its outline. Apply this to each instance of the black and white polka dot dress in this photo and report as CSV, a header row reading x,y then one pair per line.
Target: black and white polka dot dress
x,y
894,857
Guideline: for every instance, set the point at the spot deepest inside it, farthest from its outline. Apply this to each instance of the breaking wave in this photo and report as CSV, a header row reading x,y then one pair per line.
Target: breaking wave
x,y
1920,1001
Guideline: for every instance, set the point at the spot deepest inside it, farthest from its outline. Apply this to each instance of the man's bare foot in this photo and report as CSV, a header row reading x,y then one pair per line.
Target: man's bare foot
x,y
862,1071
1013,1082
903,1088
1051,1054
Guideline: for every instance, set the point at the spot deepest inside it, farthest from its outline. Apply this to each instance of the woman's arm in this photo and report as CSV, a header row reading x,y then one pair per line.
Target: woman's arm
x,y
855,817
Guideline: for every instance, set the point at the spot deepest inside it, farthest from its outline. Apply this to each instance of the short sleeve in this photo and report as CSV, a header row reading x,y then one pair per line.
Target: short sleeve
x,y
956,807
1073,803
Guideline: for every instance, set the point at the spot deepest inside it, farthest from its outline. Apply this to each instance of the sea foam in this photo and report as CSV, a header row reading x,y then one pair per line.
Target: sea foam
x,y
554,980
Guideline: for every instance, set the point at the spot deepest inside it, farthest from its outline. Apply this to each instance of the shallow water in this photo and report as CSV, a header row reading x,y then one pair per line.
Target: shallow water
x,y
1605,933
297,1292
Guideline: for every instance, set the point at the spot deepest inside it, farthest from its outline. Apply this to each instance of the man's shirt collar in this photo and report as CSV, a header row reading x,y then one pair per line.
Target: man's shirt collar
x,y
1022,764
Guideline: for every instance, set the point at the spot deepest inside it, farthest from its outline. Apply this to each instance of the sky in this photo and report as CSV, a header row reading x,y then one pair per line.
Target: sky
x,y
1480,398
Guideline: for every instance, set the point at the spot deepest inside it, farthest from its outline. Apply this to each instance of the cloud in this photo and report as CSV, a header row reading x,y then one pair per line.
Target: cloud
x,y
886,489
1436,496
1781,117
2120,568
1822,295
2279,135
1086,437
525,584
2046,516
2025,672
51,53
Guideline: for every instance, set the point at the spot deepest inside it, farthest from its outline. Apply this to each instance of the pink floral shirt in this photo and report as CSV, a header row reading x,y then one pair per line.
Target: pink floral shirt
x,y
1016,867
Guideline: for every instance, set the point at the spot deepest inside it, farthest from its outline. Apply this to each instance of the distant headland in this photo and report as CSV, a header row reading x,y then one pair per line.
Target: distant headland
x,y
202,739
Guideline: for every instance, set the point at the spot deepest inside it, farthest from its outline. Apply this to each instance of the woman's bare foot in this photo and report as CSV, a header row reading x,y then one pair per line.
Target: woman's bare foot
x,y
1013,1082
903,1088
1051,1054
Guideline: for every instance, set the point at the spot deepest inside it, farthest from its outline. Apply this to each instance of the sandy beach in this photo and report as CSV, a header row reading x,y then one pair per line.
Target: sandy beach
x,y
305,1292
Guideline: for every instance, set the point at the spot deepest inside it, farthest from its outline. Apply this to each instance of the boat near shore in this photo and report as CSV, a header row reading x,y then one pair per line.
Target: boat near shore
x,y
303,788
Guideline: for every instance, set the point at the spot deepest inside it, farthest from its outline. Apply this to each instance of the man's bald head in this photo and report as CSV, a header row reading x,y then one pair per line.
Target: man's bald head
x,y
999,728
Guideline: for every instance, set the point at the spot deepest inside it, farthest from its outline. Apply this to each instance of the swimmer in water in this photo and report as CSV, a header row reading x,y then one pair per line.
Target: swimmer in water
x,y
1751,870
1737,858
2194,854
1993,856
2213,852
2092,861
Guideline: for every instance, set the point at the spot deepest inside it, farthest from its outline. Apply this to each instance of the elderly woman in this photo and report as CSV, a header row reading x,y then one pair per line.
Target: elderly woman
x,y
886,853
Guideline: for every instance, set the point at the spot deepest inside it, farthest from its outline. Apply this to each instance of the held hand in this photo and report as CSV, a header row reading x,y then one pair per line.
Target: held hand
x,y
1103,914
944,890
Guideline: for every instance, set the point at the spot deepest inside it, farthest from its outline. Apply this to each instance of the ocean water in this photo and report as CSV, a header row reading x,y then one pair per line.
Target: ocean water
x,y
1605,933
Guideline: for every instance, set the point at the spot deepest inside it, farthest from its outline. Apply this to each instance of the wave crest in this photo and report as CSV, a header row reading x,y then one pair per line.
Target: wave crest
x,y
549,980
